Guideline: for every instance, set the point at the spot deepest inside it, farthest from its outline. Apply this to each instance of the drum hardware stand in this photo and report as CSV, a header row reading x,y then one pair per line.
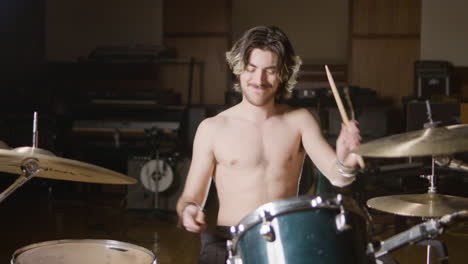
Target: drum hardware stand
x,y
29,167
156,176
428,229
431,178
432,189
154,141
422,234
231,258
440,247
152,135
433,243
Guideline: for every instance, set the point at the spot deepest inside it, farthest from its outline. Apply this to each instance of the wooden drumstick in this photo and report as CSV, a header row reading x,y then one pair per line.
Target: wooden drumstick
x,y
343,114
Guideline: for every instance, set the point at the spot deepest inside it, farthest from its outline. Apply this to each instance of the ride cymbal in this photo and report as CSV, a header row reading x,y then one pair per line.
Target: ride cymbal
x,y
53,167
422,205
427,142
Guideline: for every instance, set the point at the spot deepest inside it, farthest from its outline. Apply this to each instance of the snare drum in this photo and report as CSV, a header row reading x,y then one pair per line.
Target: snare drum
x,y
89,251
304,229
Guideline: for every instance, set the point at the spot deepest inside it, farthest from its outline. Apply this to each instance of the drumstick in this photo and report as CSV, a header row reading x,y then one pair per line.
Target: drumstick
x,y
343,114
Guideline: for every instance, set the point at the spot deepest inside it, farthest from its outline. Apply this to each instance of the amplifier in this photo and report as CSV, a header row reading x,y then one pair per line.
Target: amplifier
x,y
444,113
143,195
433,78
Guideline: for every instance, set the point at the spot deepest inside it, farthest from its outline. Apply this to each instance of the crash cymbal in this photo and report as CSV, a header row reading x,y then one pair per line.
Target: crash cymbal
x,y
422,205
427,142
4,145
54,167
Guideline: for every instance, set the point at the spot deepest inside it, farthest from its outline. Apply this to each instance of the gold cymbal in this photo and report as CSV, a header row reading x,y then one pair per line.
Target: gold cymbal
x,y
427,142
54,167
4,145
422,205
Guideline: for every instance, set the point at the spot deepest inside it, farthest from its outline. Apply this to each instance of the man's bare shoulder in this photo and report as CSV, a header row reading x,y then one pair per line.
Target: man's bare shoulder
x,y
294,112
215,122
226,115
299,118
210,123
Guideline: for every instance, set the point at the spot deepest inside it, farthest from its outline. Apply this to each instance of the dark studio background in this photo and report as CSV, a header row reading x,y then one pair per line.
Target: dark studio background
x,y
116,83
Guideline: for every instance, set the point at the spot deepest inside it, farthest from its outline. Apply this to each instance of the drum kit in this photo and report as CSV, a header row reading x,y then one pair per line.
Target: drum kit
x,y
328,229
305,229
30,162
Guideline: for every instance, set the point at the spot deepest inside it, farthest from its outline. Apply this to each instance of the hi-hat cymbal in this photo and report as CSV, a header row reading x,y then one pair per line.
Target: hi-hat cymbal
x,y
54,167
427,142
422,205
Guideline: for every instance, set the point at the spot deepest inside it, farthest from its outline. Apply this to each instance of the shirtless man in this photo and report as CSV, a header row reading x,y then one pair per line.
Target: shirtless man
x,y
254,151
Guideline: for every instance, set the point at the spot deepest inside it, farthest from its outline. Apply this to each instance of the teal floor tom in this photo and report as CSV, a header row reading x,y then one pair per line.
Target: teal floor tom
x,y
304,229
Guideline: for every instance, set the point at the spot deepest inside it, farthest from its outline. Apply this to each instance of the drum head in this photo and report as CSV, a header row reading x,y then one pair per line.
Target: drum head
x,y
87,251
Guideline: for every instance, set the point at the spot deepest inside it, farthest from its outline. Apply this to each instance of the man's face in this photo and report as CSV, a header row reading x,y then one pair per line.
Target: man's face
x,y
260,79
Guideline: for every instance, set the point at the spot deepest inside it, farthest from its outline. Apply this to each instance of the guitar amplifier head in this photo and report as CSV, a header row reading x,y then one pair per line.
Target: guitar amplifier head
x,y
433,78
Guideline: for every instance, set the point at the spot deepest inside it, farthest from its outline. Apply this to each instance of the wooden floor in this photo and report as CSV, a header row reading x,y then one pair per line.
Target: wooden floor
x,y
32,215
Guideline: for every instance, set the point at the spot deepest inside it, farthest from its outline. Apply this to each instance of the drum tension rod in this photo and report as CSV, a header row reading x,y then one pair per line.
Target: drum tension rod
x,y
340,219
266,230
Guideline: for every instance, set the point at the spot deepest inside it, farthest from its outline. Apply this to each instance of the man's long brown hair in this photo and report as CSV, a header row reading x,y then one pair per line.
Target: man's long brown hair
x,y
266,38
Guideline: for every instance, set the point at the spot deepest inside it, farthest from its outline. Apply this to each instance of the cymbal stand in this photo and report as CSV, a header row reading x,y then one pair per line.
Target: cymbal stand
x,y
440,248
432,243
421,234
156,176
153,136
29,167
431,178
432,189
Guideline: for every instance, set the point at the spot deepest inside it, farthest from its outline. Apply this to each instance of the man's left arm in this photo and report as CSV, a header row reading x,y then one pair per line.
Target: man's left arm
x,y
338,167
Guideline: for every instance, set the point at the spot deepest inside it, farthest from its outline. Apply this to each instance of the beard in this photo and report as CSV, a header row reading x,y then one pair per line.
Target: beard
x,y
258,100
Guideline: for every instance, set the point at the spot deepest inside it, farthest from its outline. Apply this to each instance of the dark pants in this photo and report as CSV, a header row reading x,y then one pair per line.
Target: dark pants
x,y
213,249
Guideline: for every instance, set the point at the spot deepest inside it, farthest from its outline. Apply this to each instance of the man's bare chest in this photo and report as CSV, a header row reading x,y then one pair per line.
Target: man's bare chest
x,y
251,146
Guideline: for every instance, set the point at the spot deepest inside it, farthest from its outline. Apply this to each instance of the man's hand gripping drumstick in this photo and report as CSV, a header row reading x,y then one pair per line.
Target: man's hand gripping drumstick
x,y
193,217
351,126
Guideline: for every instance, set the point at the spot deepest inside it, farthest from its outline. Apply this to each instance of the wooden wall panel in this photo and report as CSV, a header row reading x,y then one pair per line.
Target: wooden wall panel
x,y
385,65
318,30
199,30
385,42
397,17
196,16
213,83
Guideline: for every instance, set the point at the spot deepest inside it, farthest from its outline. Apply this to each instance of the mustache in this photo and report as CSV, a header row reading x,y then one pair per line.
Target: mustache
x,y
263,86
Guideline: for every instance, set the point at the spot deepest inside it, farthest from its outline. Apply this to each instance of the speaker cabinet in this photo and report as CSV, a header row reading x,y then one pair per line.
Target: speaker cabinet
x,y
142,196
373,122
444,113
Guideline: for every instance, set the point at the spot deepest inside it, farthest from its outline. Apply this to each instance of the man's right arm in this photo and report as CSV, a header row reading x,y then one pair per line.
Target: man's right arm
x,y
190,203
